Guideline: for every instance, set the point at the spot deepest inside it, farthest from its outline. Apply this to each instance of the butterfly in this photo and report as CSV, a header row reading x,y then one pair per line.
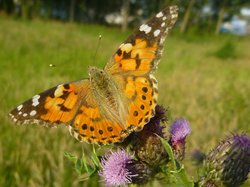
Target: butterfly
x,y
113,102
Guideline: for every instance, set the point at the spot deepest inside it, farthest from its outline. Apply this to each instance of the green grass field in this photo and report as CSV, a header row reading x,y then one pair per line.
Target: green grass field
x,y
205,79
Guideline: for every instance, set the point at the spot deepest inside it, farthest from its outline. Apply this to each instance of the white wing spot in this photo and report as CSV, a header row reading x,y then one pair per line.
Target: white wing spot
x,y
156,32
174,16
160,14
19,107
59,91
162,40
172,10
163,24
126,47
145,28
36,97
33,112
35,101
164,18
25,114
19,113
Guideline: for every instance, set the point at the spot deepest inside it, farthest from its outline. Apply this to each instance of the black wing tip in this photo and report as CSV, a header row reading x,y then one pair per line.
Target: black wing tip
x,y
174,7
171,8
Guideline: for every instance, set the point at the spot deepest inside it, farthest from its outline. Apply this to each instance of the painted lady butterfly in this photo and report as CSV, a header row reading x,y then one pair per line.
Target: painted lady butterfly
x,y
113,102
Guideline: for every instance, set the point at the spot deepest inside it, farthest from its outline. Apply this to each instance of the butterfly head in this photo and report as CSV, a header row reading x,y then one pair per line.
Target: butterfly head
x,y
97,76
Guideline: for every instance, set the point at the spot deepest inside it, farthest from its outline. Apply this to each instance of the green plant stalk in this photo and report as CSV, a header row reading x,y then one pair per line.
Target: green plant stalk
x,y
95,158
178,172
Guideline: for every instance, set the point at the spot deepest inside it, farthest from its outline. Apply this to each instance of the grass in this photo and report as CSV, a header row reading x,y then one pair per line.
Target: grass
x,y
198,80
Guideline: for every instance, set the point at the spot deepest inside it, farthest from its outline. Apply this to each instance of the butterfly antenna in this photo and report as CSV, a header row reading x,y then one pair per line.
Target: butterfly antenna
x,y
97,48
94,56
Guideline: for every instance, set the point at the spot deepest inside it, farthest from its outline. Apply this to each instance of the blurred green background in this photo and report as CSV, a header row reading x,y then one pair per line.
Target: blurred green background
x,y
204,74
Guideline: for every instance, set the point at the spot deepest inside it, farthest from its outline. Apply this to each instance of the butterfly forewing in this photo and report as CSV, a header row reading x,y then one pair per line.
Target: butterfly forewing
x,y
54,106
135,61
140,53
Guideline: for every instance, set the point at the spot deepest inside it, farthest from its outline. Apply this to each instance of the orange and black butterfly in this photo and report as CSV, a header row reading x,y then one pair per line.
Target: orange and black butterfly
x,y
114,101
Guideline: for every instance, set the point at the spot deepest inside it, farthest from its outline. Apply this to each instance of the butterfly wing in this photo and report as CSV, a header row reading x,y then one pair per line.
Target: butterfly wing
x,y
131,68
133,65
90,125
54,106
73,105
140,53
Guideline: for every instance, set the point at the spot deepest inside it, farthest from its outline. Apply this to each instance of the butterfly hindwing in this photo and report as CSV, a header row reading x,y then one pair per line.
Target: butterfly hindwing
x,y
143,91
89,125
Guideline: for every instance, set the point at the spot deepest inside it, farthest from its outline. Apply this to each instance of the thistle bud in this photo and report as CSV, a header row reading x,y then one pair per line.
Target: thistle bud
x,y
147,144
179,130
229,162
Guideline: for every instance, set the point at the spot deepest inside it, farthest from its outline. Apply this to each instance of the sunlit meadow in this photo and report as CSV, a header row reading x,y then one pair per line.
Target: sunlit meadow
x,y
205,79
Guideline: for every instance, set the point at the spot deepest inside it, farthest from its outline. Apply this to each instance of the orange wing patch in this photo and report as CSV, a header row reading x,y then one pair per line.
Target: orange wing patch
x,y
140,53
61,107
90,126
143,94
54,106
138,57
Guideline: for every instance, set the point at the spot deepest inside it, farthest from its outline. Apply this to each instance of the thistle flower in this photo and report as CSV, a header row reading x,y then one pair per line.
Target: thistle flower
x,y
179,130
147,145
120,169
229,162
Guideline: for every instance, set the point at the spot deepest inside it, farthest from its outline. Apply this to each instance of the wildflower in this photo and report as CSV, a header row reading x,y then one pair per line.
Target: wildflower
x,y
229,162
179,130
147,145
120,169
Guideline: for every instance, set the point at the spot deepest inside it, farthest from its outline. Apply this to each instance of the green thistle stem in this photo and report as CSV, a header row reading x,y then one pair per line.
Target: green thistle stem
x,y
169,151
95,158
178,169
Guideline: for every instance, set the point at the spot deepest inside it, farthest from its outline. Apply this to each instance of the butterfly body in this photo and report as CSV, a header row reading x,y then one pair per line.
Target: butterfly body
x,y
108,94
114,101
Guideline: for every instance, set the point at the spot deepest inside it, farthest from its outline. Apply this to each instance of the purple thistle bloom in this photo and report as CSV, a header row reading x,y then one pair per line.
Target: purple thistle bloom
x,y
120,169
114,171
242,141
179,130
178,133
